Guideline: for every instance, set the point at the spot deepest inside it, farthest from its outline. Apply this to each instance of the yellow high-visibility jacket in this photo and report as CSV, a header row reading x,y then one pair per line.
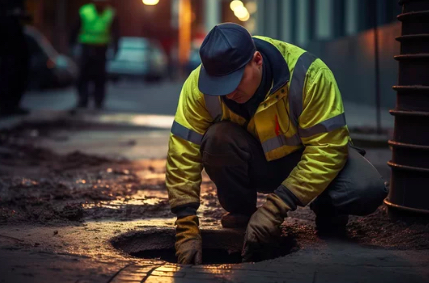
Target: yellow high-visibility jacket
x,y
302,109
95,27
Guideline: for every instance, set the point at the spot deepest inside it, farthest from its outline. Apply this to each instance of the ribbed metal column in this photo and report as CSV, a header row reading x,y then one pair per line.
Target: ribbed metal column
x,y
409,190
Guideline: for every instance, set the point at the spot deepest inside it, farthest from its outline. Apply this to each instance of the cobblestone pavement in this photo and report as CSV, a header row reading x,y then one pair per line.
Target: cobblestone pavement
x,y
311,266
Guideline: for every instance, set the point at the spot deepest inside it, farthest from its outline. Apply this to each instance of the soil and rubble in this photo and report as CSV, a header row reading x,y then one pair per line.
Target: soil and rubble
x,y
39,188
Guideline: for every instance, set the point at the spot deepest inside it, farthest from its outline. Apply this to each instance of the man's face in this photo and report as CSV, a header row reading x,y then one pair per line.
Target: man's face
x,y
250,82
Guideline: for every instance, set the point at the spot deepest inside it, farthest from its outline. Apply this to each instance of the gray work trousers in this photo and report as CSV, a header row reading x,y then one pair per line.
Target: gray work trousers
x,y
235,162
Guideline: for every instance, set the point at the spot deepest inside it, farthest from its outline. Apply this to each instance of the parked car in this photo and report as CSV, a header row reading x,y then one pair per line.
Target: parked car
x,y
138,57
194,60
48,68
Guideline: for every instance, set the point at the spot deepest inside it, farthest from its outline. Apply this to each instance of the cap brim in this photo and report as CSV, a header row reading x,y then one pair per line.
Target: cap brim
x,y
221,85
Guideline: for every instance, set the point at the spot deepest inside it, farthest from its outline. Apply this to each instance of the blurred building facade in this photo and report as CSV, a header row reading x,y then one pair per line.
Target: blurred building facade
x,y
341,32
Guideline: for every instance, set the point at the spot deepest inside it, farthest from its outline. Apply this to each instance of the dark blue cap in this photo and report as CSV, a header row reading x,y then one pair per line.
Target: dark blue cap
x,y
224,53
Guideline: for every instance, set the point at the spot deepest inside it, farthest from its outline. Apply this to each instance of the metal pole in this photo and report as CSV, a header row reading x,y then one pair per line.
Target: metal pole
x,y
377,70
409,194
185,18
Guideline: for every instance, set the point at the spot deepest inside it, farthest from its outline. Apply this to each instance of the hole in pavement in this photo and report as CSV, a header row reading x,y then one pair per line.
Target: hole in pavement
x,y
219,246
210,256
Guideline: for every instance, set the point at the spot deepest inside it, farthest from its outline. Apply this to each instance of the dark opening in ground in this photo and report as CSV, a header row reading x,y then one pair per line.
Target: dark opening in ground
x,y
219,246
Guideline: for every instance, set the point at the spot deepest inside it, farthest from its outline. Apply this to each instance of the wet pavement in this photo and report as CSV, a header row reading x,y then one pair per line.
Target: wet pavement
x,y
79,197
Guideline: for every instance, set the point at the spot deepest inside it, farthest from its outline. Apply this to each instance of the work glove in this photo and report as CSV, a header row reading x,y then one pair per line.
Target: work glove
x,y
264,226
188,240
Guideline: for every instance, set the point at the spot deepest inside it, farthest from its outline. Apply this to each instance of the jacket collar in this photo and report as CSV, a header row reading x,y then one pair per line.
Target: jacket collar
x,y
277,62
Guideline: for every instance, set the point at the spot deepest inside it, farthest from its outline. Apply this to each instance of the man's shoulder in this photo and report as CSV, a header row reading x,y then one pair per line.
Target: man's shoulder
x,y
190,86
289,51
277,42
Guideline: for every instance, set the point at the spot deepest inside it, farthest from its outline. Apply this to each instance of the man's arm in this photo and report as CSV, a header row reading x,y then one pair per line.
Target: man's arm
x,y
183,175
324,135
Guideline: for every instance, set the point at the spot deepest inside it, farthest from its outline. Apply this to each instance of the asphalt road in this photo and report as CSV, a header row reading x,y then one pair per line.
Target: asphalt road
x,y
127,96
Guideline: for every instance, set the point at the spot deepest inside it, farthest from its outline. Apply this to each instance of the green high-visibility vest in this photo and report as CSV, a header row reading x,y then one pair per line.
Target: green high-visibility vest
x,y
95,27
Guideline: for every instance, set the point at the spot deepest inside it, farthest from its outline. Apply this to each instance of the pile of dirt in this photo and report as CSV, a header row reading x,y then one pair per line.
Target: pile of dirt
x,y
379,230
39,186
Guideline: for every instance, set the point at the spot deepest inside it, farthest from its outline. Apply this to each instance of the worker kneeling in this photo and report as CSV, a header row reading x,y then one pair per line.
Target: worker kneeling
x,y
262,115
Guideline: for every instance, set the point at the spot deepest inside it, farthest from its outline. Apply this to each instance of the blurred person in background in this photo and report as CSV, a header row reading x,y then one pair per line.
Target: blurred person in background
x,y
96,29
263,115
14,56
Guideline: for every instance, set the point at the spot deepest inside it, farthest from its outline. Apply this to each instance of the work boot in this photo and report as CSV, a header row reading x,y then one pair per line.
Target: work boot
x,y
331,225
235,220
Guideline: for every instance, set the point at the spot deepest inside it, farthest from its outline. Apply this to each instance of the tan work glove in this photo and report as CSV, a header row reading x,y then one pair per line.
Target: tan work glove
x,y
264,226
188,240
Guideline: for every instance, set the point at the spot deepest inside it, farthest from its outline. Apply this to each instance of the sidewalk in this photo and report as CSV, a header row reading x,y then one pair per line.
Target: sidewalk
x,y
126,105
83,253
72,254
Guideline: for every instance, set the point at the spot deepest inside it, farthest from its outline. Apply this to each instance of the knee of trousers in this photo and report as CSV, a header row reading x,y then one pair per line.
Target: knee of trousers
x,y
353,199
225,143
360,189
369,197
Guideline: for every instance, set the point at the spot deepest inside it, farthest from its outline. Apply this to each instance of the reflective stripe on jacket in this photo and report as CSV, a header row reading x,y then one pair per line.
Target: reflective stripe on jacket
x,y
95,27
304,111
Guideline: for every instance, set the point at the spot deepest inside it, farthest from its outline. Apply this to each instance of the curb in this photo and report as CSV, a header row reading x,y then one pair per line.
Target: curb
x,y
147,122
370,140
88,118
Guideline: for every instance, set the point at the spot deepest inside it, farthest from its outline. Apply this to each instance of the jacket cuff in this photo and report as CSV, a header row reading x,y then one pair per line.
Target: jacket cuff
x,y
185,210
287,197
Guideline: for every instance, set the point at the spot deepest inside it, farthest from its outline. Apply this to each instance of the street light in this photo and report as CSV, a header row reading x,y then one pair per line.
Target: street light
x,y
239,10
241,13
245,18
234,4
150,2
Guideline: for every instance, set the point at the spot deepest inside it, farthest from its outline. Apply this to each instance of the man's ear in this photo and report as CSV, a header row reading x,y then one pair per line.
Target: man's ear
x,y
257,58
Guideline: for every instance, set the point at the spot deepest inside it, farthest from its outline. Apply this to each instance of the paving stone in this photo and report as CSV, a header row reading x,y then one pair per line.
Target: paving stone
x,y
202,276
211,271
140,269
167,273
129,277
170,268
157,279
180,280
125,280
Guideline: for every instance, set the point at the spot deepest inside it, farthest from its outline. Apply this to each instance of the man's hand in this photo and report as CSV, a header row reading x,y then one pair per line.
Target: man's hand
x,y
264,226
188,240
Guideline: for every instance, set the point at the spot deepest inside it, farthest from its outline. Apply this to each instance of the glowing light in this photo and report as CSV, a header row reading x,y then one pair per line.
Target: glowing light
x,y
235,4
252,7
150,2
245,18
241,12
